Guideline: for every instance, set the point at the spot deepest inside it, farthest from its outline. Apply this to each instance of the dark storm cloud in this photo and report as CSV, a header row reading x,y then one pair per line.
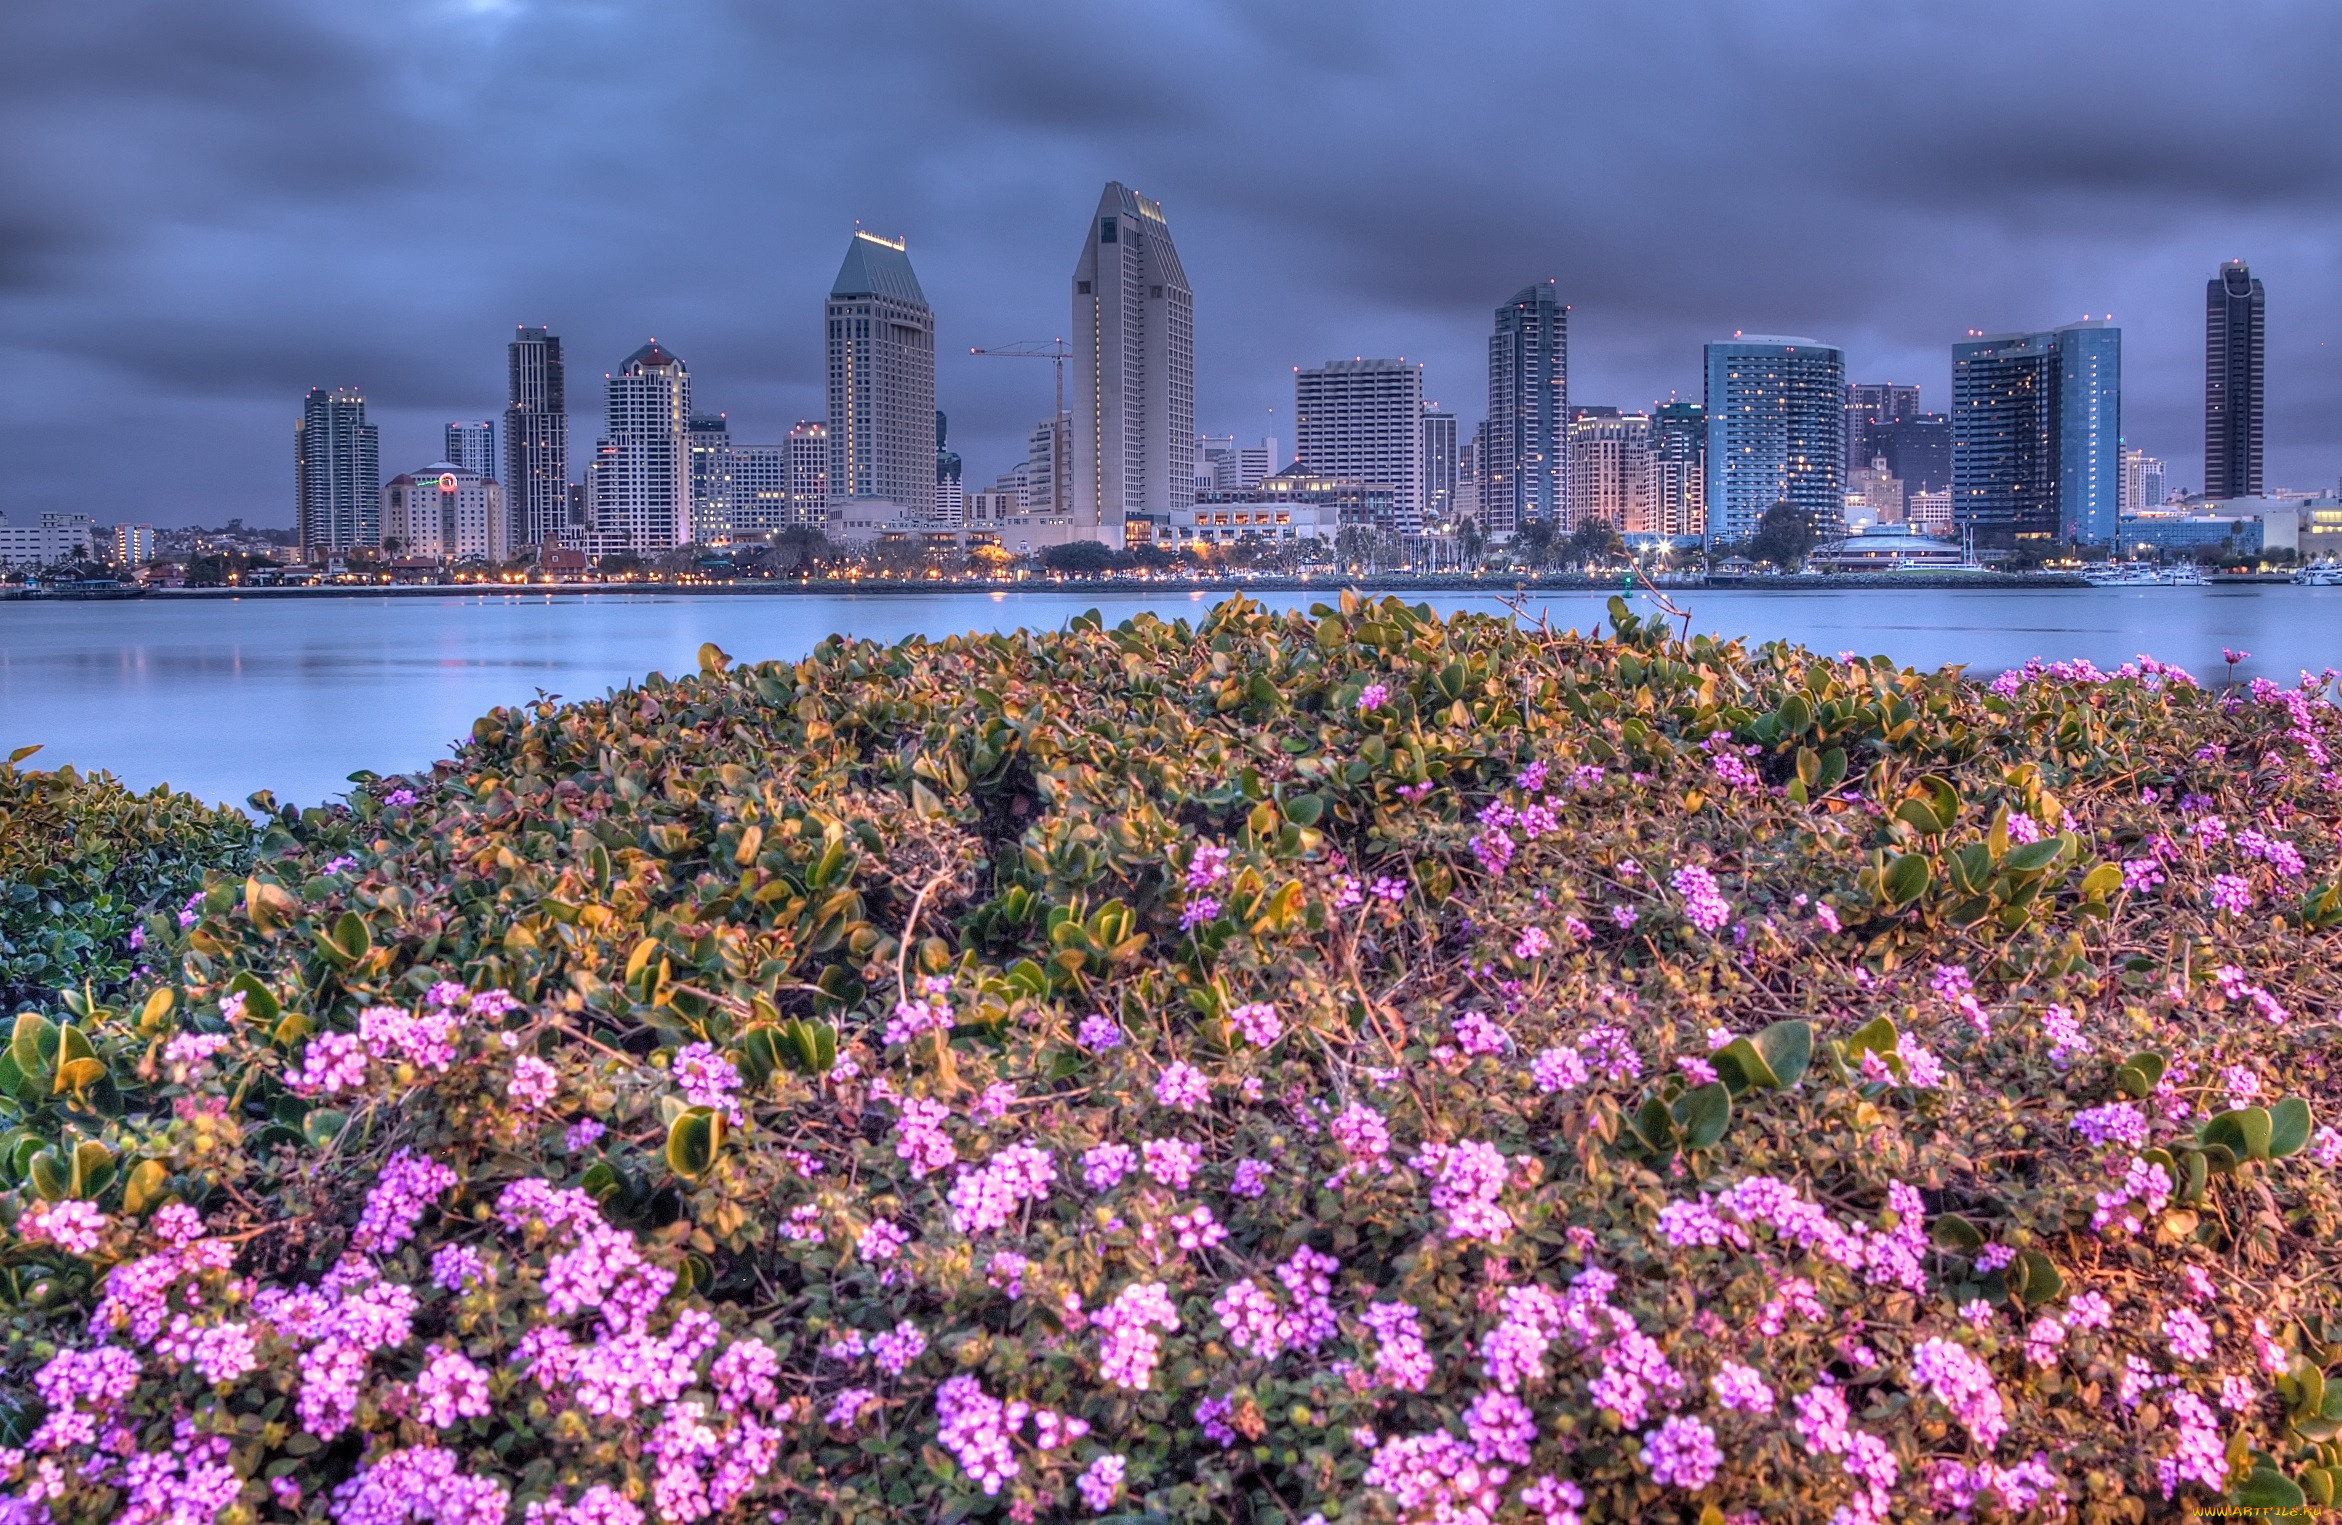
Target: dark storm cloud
x,y
205,210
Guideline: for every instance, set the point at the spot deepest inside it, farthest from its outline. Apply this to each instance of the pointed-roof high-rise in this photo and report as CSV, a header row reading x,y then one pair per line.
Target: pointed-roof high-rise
x,y
1133,402
881,345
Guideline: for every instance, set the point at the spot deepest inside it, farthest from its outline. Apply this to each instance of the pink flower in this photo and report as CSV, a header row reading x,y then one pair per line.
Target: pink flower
x,y
1257,1022
1372,697
1704,905
1101,1482
1182,1087
534,1083
1682,1453
74,1226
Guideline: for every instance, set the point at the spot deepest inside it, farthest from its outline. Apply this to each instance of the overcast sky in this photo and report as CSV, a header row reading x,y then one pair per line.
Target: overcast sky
x,y
206,209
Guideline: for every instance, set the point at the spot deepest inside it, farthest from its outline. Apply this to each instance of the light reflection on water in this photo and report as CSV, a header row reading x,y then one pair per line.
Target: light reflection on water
x,y
225,697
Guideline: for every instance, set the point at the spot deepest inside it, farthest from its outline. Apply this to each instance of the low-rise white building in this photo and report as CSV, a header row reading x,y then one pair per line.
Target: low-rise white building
x,y
44,541
1284,519
446,512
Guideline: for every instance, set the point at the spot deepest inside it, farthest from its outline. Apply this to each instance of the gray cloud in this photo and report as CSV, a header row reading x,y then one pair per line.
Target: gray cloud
x,y
209,209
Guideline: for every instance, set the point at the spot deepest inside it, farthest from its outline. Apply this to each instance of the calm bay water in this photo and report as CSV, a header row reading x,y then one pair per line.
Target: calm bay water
x,y
225,697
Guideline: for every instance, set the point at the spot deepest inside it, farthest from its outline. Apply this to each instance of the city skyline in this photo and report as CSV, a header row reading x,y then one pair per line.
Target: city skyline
x,y
180,266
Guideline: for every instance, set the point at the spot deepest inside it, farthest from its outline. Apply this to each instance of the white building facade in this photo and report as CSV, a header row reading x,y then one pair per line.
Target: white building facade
x,y
881,374
447,512
1133,401
33,542
641,481
1610,472
1362,420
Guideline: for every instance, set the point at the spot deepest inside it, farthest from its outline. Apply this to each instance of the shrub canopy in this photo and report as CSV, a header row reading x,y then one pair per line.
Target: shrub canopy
x,y
1347,1065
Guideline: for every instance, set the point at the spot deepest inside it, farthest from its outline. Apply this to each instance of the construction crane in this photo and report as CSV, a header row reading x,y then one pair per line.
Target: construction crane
x,y
1059,467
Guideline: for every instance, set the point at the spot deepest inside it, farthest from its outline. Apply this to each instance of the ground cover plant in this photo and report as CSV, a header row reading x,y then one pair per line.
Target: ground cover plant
x,y
1344,1066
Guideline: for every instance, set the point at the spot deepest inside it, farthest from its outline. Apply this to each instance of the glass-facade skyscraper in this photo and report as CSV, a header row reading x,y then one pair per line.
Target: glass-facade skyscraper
x,y
1776,407
337,472
1524,470
2236,311
2037,436
1679,468
1133,381
536,439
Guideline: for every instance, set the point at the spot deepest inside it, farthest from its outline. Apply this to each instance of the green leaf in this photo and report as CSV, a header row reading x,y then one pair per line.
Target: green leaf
x,y
1833,770
93,1169
47,1175
145,1187
2140,1073
2101,881
1740,1067
1942,798
601,1181
260,1004
1876,1036
1702,1114
712,659
1305,810
1950,1231
1916,815
322,1126
2043,1281
2033,857
1809,767
346,943
1655,1126
1787,1048
2245,1131
2290,1124
2267,1488
1795,715
33,1044
693,1140
1906,879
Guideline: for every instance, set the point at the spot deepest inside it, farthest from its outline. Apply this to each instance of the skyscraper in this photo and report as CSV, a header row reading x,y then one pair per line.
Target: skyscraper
x,y
642,468
759,490
1776,411
1439,465
2235,339
950,498
881,378
808,467
1609,470
536,439
2037,435
1524,468
337,474
1133,401
708,437
1362,420
1679,468
473,447
1917,449
1871,403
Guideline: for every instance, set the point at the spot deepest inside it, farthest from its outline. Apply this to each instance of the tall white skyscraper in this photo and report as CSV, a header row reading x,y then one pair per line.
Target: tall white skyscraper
x,y
1133,401
1362,420
808,468
473,447
881,378
642,467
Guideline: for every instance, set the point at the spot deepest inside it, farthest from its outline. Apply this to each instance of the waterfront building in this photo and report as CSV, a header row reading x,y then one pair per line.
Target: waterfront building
x,y
949,499
708,441
881,338
1524,463
1776,432
472,445
1133,401
759,499
1439,467
337,473
134,544
1871,404
2037,435
445,512
52,538
1917,449
2142,481
808,467
1609,473
1363,420
641,476
2236,310
536,440
1679,469
1929,511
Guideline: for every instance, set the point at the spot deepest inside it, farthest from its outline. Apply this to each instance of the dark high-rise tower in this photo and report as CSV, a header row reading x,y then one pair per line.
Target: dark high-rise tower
x,y
2235,327
337,472
536,439
1524,473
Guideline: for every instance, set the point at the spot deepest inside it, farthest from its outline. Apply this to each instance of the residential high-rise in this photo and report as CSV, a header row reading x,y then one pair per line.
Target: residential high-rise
x,y
1045,448
881,337
2142,481
708,438
759,497
1525,466
473,447
950,498
2236,311
1133,401
1918,449
536,439
134,544
337,470
2037,436
642,466
1679,469
445,512
1439,466
1776,431
1870,403
808,467
1609,470
1362,420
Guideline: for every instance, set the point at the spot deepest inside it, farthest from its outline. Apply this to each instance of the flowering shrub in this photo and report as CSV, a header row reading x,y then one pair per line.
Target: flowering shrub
x,y
972,1079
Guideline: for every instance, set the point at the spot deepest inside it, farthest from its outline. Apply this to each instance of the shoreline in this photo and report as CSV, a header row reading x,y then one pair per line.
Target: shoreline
x,y
1490,586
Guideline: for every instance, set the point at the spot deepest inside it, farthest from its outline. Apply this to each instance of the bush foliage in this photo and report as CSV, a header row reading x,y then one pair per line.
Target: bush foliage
x,y
1348,1065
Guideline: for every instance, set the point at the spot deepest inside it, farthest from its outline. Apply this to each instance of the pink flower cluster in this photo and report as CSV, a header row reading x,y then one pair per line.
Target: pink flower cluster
x,y
1466,1180
1962,1384
1704,905
1131,1345
1261,1326
986,1197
